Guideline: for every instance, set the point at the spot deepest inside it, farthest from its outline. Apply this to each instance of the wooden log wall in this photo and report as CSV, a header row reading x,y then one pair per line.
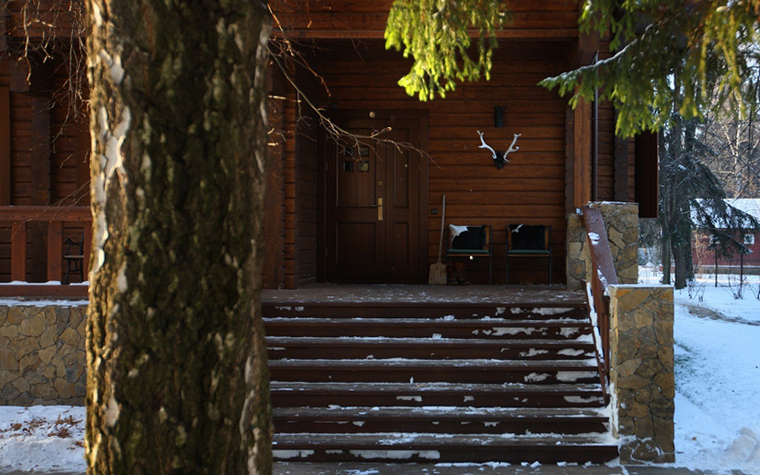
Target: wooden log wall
x,y
48,148
42,19
530,189
290,223
307,159
273,272
367,19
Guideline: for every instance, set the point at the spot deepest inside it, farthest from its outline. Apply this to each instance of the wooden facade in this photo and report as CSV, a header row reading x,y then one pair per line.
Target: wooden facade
x,y
566,158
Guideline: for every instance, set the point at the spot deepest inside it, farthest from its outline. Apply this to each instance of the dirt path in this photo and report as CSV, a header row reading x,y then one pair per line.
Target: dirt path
x,y
703,312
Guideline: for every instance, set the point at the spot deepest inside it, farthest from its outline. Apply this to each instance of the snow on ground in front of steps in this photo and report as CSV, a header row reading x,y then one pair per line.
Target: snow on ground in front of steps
x,y
717,386
42,438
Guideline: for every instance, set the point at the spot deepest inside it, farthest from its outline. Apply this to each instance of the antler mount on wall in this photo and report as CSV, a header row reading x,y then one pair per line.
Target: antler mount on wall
x,y
499,158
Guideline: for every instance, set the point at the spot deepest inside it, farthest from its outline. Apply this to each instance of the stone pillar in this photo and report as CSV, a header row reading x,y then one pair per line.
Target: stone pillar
x,y
642,372
42,357
621,221
577,254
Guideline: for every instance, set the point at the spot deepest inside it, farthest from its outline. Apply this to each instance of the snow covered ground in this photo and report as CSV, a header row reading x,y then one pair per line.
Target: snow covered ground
x,y
717,353
717,334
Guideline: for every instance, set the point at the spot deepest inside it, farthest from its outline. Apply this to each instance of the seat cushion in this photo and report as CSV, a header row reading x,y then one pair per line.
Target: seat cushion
x,y
525,237
467,237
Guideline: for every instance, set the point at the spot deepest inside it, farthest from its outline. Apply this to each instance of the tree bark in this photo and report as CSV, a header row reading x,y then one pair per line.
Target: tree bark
x,y
177,373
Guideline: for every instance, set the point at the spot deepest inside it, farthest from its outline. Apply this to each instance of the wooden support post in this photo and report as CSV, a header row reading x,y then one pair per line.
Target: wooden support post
x,y
5,146
621,170
18,251
87,249
40,154
3,28
582,154
54,250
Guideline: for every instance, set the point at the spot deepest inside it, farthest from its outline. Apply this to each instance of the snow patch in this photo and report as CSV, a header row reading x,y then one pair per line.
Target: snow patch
x,y
409,398
536,377
396,454
291,454
573,376
570,352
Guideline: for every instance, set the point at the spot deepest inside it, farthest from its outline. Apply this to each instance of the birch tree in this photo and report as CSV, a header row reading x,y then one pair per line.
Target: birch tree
x,y
176,358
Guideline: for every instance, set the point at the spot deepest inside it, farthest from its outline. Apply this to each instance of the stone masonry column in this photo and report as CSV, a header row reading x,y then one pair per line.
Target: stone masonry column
x,y
642,372
621,221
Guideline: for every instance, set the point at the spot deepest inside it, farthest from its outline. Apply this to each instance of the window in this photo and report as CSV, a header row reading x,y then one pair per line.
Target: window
x,y
749,239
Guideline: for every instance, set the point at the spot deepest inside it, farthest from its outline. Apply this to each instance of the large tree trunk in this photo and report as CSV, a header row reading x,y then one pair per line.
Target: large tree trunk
x,y
177,377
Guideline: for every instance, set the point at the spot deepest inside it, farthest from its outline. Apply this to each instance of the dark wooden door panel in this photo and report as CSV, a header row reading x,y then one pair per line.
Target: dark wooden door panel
x,y
373,203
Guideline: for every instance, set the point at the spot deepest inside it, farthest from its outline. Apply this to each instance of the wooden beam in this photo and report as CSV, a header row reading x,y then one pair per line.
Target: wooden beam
x,y
538,34
54,250
40,161
3,27
621,170
87,249
78,214
41,150
18,251
5,147
582,154
647,174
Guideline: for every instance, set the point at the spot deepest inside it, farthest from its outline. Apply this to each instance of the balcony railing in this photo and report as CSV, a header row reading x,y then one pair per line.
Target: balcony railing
x,y
20,218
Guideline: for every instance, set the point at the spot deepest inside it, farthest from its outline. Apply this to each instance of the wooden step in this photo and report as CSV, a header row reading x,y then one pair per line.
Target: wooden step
x,y
439,420
286,394
453,371
432,448
427,310
426,348
436,382
425,328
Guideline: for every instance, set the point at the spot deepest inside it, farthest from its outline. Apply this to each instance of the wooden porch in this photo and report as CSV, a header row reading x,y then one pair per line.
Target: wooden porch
x,y
32,249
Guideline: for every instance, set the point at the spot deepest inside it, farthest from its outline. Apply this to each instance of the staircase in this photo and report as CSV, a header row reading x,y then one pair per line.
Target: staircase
x,y
426,382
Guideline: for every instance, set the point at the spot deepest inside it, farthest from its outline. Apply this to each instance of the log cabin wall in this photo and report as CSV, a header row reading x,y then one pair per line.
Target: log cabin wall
x,y
543,40
530,189
360,74
290,223
273,272
47,151
307,195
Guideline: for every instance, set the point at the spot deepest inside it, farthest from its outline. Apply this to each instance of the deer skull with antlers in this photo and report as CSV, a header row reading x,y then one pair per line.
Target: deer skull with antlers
x,y
499,158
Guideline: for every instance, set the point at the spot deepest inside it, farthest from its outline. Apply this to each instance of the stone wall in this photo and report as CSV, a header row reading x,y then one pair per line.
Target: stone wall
x,y
621,221
642,372
42,356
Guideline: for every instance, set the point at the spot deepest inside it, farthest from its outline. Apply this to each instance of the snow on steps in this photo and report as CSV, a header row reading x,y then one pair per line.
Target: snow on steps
x,y
453,383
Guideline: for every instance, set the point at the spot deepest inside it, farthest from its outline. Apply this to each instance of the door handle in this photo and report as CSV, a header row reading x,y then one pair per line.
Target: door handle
x,y
379,209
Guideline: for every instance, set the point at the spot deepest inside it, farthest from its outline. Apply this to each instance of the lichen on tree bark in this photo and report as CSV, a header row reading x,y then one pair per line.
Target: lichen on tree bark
x,y
177,375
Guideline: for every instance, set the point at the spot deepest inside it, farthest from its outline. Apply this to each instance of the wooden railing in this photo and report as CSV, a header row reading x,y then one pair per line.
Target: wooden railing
x,y
19,218
602,276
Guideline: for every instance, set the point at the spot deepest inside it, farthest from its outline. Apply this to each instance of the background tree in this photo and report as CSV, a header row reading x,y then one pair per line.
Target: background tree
x,y
735,142
693,198
706,41
177,375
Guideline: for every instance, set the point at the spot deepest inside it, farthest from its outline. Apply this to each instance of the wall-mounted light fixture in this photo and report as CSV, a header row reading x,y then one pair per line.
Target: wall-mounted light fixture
x,y
499,158
498,116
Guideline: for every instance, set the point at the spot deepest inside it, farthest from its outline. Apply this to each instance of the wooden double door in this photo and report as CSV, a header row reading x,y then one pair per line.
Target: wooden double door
x,y
375,194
